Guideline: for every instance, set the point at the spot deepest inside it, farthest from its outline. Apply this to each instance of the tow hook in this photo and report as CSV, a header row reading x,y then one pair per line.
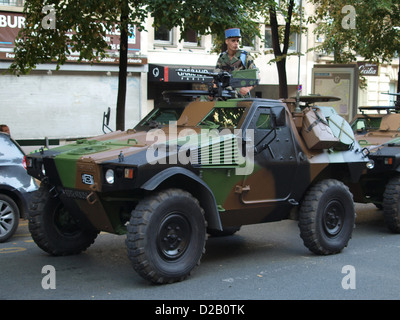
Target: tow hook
x,y
92,198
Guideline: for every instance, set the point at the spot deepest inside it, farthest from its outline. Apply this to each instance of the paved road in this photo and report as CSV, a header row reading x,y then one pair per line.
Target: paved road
x,y
265,261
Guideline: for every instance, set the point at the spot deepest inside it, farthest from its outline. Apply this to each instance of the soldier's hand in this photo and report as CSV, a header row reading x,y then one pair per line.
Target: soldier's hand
x,y
245,90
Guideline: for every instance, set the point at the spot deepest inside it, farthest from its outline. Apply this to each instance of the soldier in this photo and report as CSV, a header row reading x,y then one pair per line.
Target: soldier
x,y
234,58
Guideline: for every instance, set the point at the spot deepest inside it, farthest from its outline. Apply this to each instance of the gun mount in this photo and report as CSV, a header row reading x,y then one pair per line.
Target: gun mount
x,y
222,84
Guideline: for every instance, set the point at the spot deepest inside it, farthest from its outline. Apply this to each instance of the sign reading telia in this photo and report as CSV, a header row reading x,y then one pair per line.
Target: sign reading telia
x,y
12,22
368,69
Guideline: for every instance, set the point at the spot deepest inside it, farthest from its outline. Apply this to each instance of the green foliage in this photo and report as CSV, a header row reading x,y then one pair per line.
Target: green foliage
x,y
89,19
206,17
85,21
374,36
291,15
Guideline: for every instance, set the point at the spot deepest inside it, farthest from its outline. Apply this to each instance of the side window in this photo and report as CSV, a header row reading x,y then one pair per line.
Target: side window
x,y
264,132
8,150
264,121
361,125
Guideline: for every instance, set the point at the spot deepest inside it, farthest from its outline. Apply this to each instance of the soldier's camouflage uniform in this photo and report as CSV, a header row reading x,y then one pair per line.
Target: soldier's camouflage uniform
x,y
224,63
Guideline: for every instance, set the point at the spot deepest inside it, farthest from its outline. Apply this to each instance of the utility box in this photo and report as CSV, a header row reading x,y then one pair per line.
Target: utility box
x,y
316,131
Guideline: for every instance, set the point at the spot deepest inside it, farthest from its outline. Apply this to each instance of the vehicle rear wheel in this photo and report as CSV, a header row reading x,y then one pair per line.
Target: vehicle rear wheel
x,y
9,217
166,236
326,217
54,229
391,205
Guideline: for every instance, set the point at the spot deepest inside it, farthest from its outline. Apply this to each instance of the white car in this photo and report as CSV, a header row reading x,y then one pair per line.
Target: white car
x,y
16,186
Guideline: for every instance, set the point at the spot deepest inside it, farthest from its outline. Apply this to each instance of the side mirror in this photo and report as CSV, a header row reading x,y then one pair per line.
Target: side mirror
x,y
278,116
106,120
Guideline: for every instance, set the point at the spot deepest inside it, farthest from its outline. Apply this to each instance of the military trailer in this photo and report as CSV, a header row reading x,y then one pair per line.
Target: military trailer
x,y
223,164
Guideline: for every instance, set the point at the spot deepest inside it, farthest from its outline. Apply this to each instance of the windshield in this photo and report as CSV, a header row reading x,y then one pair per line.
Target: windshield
x,y
365,124
223,118
160,117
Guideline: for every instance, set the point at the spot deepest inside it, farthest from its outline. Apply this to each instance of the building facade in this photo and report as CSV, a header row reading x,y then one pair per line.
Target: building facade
x,y
69,103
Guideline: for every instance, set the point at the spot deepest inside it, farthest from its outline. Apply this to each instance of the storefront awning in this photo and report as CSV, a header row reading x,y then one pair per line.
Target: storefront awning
x,y
173,73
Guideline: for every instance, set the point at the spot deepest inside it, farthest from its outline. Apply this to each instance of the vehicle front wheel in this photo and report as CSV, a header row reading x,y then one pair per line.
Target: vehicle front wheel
x,y
54,229
166,236
9,217
391,205
327,217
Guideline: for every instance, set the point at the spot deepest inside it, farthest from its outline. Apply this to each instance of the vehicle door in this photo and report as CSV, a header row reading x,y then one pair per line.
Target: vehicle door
x,y
275,159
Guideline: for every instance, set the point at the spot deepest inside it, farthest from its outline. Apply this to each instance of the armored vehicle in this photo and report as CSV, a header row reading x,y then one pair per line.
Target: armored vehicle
x,y
222,164
376,125
381,184
379,130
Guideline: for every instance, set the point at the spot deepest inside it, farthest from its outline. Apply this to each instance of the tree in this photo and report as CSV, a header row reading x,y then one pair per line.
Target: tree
x,y
199,15
90,19
43,41
281,36
44,37
352,28
205,17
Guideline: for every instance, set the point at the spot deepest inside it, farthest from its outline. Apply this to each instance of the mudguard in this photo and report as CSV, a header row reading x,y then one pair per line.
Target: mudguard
x,y
205,196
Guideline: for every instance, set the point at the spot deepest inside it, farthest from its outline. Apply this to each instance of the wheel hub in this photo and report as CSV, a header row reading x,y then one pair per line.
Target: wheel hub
x,y
64,222
6,217
173,236
333,218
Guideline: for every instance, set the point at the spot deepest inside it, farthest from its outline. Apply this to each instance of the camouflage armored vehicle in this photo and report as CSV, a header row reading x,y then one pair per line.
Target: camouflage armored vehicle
x,y
381,184
376,125
380,132
223,164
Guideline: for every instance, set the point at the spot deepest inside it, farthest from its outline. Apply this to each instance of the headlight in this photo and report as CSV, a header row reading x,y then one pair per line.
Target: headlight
x,y
370,164
110,176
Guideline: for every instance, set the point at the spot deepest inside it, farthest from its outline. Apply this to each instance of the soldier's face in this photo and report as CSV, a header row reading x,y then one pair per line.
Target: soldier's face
x,y
232,43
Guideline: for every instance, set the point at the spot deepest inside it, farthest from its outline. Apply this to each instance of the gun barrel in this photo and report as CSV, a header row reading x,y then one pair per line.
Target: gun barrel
x,y
210,74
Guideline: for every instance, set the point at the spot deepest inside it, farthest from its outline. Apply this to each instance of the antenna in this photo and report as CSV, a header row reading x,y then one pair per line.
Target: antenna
x,y
299,52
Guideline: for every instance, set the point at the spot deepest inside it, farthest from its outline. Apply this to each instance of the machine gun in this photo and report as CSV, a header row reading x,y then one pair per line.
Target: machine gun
x,y
222,85
397,102
389,109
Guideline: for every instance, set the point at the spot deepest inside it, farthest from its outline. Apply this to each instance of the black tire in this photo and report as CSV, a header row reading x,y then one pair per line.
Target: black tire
x,y
327,217
9,217
166,236
391,205
53,228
